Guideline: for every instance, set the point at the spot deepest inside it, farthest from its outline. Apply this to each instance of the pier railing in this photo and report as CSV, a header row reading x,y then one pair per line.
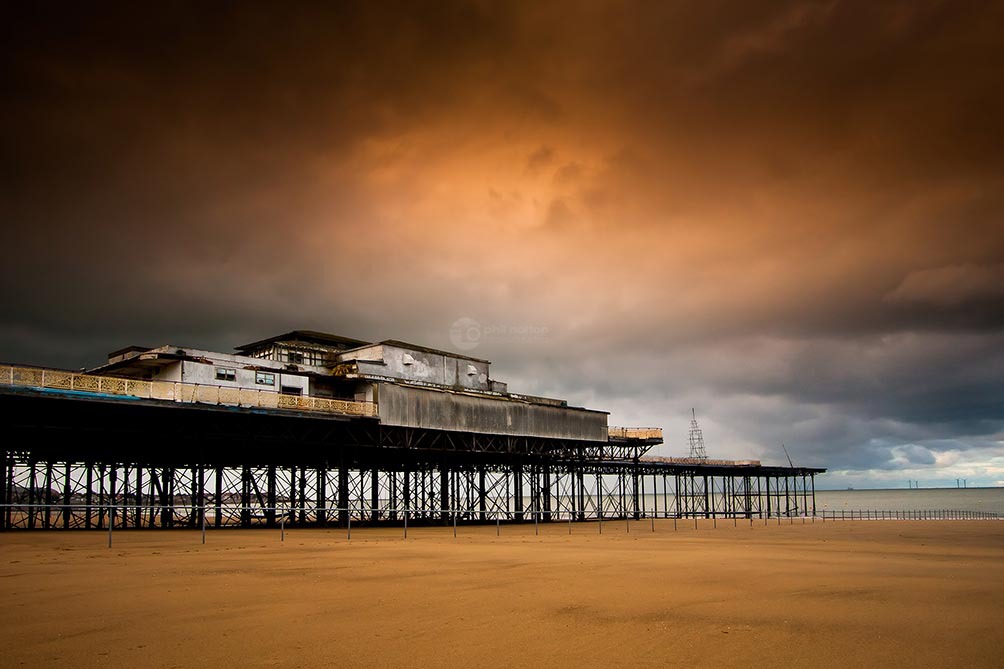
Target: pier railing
x,y
172,391
635,432
701,461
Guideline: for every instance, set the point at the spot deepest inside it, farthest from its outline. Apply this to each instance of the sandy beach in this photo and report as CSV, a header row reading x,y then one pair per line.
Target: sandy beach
x,y
834,594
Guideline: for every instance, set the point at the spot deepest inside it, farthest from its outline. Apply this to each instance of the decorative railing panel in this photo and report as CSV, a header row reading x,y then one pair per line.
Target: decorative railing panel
x,y
31,377
635,432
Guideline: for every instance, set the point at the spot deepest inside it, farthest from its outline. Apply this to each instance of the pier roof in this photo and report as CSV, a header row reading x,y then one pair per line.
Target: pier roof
x,y
309,336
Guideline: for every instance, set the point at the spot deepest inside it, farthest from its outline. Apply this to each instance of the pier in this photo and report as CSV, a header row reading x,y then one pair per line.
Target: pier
x,y
72,456
312,429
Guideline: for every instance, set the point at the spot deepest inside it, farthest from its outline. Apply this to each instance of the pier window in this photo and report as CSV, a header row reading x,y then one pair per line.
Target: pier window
x,y
264,379
226,374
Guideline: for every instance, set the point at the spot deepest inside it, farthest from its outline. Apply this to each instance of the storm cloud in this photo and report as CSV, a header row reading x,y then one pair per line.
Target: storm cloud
x,y
787,215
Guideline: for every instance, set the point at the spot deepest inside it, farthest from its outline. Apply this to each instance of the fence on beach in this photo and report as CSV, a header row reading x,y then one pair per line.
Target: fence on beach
x,y
135,515
920,514
109,517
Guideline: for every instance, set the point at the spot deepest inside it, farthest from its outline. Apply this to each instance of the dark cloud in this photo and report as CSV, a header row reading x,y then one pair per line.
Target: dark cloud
x,y
788,215
951,285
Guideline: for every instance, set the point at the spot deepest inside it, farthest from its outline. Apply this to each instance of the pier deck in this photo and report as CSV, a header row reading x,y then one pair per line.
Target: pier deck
x,y
83,458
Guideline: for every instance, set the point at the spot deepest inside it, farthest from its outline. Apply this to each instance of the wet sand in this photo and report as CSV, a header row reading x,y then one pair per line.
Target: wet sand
x,y
833,594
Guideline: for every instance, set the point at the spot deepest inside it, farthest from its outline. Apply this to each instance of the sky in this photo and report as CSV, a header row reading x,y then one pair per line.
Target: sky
x,y
787,216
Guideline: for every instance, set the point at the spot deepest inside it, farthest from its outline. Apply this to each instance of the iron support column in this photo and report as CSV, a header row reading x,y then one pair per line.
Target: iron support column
x,y
517,490
444,492
322,495
218,519
271,499
634,491
7,494
580,474
139,494
375,495
303,495
766,480
66,496
245,496
406,484
482,496
343,495
392,480
88,493
546,493
707,500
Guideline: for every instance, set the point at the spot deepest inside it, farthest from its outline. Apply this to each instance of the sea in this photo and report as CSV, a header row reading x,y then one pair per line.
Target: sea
x,y
877,499
889,499
916,499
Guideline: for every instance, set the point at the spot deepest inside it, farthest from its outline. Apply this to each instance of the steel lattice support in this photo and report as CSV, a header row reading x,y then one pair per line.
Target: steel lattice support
x,y
51,494
69,465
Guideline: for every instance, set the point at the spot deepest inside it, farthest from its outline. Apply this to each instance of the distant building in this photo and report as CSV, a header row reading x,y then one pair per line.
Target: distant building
x,y
412,386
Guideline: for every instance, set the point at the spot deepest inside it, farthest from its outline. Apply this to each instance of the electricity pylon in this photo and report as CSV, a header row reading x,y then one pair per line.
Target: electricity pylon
x,y
696,439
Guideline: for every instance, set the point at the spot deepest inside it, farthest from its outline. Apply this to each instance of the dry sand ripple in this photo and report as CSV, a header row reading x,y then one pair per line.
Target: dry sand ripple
x,y
839,594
